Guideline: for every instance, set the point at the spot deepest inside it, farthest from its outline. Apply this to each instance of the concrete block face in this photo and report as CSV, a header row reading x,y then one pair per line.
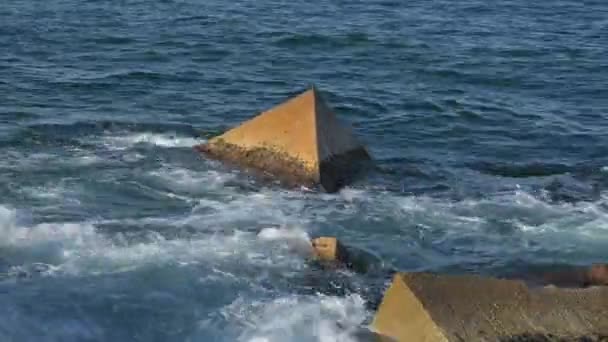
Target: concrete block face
x,y
326,248
299,141
429,307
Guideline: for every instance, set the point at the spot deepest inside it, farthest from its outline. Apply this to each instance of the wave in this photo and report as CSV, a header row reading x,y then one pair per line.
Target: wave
x,y
300,318
297,239
507,224
82,133
84,248
187,182
307,40
523,170
18,160
112,40
254,243
92,150
168,140
224,199
223,206
88,80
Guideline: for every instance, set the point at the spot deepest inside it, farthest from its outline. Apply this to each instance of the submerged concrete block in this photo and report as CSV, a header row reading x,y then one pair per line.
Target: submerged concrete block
x,y
299,141
328,248
429,307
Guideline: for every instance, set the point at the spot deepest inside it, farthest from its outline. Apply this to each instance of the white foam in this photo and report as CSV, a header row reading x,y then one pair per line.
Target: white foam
x,y
510,223
86,160
235,216
299,318
7,225
250,209
132,157
77,248
500,221
122,142
17,160
187,180
350,195
296,239
284,234
55,194
80,157
44,243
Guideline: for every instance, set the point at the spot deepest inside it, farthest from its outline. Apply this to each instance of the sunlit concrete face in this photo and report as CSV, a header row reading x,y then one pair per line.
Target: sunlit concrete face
x,y
428,307
300,141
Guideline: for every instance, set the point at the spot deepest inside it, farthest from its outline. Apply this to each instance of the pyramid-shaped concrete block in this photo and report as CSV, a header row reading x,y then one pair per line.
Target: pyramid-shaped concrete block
x,y
299,141
429,307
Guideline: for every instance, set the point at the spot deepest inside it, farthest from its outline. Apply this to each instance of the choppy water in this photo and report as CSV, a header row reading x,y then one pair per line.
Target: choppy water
x,y
487,120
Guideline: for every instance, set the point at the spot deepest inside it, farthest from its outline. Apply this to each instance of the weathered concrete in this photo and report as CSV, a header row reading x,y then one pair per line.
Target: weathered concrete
x,y
597,275
299,141
328,248
594,275
429,307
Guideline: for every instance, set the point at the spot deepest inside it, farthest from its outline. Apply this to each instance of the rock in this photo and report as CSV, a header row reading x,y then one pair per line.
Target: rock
x,y
429,307
300,142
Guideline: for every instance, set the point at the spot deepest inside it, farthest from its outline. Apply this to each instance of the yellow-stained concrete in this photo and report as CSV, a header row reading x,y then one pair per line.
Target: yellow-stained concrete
x,y
428,307
301,138
403,317
287,128
327,248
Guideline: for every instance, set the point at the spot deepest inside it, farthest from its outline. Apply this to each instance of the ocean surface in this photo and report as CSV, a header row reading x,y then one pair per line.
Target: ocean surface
x,y
487,121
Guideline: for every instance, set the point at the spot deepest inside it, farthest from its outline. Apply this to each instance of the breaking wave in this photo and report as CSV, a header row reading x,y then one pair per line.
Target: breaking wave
x,y
300,318
168,140
507,225
250,244
83,248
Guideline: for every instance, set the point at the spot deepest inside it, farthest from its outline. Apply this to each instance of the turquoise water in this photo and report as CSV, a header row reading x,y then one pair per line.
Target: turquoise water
x,y
487,121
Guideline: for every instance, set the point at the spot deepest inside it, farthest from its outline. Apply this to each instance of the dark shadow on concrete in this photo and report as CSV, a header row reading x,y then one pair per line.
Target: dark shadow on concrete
x,y
553,338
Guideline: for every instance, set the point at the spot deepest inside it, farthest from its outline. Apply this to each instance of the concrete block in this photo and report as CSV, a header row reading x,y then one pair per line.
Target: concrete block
x,y
299,141
429,307
329,249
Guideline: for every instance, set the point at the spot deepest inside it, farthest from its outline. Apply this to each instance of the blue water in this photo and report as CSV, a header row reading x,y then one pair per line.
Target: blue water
x,y
487,121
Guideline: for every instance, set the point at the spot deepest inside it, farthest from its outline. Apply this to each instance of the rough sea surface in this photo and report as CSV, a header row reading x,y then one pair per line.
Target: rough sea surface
x,y
488,122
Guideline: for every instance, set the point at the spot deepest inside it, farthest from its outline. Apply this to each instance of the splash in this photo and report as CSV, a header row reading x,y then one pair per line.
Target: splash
x,y
44,244
17,160
187,181
8,219
296,239
300,318
167,140
81,248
